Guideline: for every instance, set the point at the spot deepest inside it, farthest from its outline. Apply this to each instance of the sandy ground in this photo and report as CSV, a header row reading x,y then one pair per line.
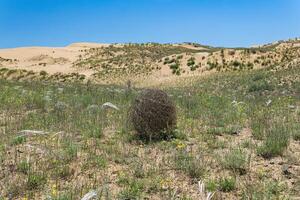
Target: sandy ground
x,y
49,59
61,60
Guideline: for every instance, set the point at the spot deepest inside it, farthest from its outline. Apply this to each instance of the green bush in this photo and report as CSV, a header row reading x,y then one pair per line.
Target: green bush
x,y
191,61
212,65
18,140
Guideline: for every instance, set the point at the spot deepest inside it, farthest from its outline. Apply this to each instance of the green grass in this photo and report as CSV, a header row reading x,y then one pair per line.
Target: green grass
x,y
88,148
265,190
192,166
35,180
277,140
236,160
227,184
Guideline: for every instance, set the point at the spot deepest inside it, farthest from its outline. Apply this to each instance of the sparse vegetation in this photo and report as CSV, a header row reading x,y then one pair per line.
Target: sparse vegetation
x,y
237,130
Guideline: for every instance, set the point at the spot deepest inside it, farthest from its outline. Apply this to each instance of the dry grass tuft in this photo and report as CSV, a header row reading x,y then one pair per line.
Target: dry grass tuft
x,y
153,115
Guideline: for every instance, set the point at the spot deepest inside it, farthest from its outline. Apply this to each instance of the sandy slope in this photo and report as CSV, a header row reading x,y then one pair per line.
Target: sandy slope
x,y
49,59
96,57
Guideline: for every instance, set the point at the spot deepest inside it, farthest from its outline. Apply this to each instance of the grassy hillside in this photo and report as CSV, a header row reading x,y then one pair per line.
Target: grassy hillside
x,y
127,60
238,132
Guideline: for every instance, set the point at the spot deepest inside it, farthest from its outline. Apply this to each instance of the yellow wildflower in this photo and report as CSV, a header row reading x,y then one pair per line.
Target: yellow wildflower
x,y
165,183
54,190
180,145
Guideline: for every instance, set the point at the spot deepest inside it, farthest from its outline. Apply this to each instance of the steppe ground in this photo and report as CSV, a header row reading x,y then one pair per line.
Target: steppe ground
x,y
238,130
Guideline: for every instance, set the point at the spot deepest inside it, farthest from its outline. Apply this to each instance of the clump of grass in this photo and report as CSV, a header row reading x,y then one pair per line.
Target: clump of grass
x,y
133,190
211,186
36,180
23,167
263,190
64,196
138,169
230,130
295,131
276,142
63,171
235,160
193,166
227,184
260,123
19,140
70,150
261,85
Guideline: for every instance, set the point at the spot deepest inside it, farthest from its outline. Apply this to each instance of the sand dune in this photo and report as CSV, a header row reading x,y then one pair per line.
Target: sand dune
x,y
105,63
49,59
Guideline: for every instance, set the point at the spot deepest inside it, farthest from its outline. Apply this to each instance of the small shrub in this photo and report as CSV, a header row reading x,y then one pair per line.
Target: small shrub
x,y
169,61
153,114
236,63
250,65
191,61
231,52
11,71
212,65
179,57
43,73
296,136
175,67
3,69
166,61
19,140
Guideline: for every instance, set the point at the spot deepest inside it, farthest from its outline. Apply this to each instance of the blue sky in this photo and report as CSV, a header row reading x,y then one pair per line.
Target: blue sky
x,y
213,22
